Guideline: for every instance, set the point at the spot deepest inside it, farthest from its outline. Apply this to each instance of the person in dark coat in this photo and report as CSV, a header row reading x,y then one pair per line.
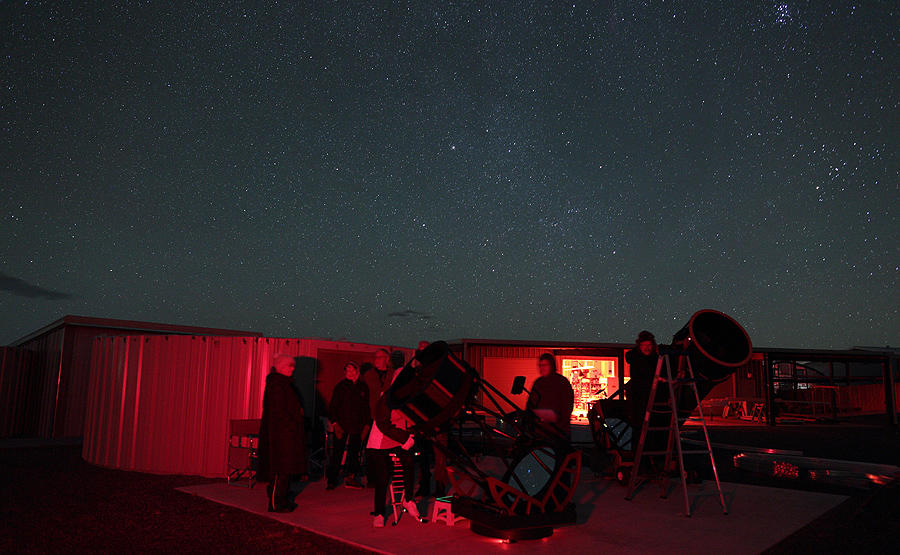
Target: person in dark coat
x,y
378,379
282,437
349,415
642,360
388,436
552,398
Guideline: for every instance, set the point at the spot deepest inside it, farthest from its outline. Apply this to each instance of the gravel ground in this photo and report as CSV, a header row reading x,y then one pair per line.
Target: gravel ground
x,y
52,501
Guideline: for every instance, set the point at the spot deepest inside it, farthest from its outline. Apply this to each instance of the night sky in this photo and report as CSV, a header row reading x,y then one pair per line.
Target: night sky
x,y
387,172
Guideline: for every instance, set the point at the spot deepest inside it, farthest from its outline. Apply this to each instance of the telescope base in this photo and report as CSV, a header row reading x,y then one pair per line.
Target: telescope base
x,y
488,521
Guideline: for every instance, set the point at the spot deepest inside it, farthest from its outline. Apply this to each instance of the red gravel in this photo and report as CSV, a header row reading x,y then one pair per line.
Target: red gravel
x,y
54,502
51,501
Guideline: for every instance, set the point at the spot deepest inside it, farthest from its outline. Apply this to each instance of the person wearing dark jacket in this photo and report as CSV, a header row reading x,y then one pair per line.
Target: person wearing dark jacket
x,y
282,437
552,399
642,361
388,436
349,415
377,378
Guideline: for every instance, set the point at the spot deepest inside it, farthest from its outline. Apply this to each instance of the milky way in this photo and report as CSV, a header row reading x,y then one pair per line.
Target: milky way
x,y
389,172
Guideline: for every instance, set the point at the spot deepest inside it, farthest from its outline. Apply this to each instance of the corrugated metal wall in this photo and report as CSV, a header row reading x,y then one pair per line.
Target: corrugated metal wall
x,y
74,372
18,389
47,369
479,352
162,403
61,366
59,372
499,365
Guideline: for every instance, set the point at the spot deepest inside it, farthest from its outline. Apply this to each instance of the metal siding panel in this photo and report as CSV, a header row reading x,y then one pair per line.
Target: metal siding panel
x,y
59,401
48,350
64,385
154,408
259,367
237,381
479,353
128,400
232,359
112,388
102,437
157,406
141,376
90,416
93,414
16,390
119,368
176,439
223,399
92,447
188,406
162,403
76,373
210,410
186,375
176,398
502,370
195,408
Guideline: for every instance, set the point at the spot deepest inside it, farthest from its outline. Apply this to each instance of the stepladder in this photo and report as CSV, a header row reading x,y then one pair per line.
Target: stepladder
x,y
660,440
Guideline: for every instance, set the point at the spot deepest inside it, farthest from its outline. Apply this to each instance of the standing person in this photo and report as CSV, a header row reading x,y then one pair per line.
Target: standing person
x,y
642,360
389,436
552,398
349,414
377,379
426,452
282,437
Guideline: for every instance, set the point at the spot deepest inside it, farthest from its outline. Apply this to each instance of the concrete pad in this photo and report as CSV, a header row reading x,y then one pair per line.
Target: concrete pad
x,y
757,519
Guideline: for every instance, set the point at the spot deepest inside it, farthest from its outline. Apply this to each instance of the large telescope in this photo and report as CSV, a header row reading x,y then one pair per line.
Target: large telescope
x,y
716,346
524,487
527,486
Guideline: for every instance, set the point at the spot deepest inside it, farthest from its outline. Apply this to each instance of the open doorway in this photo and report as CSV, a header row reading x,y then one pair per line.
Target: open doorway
x,y
592,379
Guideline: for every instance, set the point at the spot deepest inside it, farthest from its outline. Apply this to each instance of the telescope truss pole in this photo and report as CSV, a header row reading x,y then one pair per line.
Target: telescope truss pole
x,y
529,439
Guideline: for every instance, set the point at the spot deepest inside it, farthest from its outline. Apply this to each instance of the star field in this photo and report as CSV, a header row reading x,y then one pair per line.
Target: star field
x,y
388,172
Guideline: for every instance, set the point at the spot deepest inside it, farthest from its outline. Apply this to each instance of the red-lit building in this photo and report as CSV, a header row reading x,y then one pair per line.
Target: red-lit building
x,y
158,397
45,374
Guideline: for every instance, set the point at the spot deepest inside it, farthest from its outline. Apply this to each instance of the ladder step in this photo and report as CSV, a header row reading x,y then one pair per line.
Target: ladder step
x,y
674,453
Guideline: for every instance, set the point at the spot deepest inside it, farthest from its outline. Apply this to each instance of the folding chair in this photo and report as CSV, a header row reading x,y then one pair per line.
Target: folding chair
x,y
320,457
243,442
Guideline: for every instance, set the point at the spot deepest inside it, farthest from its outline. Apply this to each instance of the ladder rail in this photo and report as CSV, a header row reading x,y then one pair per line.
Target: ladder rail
x,y
674,384
639,452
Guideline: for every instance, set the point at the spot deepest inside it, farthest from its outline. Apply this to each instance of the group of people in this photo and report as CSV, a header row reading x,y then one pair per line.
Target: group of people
x,y
360,416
